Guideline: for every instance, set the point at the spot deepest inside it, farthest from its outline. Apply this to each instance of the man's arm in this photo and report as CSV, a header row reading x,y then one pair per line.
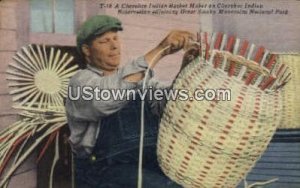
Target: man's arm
x,y
97,107
173,42
127,78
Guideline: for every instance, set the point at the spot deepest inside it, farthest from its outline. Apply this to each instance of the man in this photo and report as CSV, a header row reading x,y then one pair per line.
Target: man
x,y
105,133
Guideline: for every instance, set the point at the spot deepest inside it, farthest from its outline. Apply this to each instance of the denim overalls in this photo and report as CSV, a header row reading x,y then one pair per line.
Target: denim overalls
x,y
114,163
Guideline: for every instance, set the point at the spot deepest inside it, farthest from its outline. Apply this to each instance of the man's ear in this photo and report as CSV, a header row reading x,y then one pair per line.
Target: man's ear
x,y
85,50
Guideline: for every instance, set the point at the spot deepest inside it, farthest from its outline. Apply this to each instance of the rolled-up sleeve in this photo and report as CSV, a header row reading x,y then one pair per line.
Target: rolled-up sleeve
x,y
97,107
136,66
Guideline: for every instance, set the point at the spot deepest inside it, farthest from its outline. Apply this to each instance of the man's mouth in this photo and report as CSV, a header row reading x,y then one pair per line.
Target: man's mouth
x,y
114,55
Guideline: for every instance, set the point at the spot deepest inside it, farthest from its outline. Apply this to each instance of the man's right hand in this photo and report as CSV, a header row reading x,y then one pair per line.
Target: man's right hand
x,y
173,42
176,40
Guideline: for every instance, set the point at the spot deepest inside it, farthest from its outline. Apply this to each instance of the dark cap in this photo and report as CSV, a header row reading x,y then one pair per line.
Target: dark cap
x,y
95,26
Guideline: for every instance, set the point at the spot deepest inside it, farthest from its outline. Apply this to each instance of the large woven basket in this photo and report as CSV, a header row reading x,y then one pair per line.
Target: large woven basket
x,y
215,143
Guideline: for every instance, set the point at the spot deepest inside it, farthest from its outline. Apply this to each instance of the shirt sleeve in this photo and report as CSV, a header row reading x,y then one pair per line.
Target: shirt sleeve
x,y
90,105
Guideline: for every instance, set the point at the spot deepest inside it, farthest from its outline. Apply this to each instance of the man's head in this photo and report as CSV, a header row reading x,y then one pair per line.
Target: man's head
x,y
98,42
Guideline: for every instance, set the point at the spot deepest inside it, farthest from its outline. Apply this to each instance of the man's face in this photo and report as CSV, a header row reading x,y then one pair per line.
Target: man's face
x,y
104,51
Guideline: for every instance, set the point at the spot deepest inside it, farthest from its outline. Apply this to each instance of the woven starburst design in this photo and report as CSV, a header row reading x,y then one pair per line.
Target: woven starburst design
x,y
39,77
38,81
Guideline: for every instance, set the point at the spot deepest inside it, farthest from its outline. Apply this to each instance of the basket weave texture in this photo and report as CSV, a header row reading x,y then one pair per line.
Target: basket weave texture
x,y
291,97
215,143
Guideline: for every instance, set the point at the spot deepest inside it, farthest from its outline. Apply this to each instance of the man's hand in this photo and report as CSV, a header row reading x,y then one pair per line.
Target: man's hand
x,y
176,40
173,42
189,55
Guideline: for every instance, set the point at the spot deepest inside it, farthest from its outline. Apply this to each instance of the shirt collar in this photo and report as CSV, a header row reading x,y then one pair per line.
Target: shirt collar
x,y
94,69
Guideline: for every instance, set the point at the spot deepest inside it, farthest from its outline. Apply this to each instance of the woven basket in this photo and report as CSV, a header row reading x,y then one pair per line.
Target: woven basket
x,y
291,97
216,143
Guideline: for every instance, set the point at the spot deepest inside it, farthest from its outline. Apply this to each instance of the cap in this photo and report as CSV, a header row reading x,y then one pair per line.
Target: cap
x,y
96,25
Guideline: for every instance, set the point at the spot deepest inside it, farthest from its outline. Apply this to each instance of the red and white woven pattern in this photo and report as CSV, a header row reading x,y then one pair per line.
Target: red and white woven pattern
x,y
216,143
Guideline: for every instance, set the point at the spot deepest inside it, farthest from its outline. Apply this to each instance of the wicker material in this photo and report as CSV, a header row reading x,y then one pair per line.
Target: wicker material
x,y
38,82
291,97
216,143
39,77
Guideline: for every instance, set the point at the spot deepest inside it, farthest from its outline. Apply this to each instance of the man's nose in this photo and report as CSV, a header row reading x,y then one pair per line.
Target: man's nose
x,y
114,44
